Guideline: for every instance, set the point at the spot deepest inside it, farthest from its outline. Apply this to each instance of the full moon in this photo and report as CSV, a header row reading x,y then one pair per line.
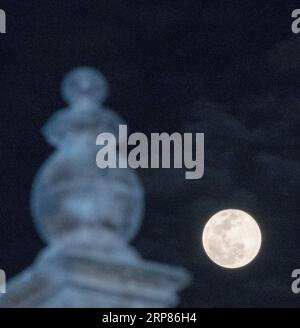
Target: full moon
x,y
231,238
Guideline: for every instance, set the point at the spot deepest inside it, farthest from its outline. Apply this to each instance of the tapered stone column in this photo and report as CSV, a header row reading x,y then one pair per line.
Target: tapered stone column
x,y
88,216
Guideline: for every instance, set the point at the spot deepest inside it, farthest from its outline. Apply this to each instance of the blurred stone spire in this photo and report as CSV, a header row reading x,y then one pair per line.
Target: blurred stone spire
x,y
87,216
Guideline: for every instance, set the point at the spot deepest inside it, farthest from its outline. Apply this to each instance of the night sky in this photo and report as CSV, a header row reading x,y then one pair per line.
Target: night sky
x,y
230,69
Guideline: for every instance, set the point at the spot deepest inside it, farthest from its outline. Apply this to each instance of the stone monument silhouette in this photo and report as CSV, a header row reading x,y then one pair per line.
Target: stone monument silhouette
x,y
87,216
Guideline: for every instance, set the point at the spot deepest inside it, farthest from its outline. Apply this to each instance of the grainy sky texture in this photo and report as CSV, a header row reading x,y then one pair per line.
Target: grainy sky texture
x,y
229,69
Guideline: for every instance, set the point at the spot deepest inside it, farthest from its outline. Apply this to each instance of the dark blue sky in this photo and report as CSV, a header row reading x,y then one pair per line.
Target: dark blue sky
x,y
229,69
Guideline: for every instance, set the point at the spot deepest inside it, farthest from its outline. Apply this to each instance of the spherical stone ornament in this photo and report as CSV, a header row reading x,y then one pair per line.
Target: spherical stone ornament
x,y
84,87
67,197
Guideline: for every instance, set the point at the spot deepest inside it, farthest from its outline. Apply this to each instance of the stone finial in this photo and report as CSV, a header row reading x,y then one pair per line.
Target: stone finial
x,y
70,192
87,215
